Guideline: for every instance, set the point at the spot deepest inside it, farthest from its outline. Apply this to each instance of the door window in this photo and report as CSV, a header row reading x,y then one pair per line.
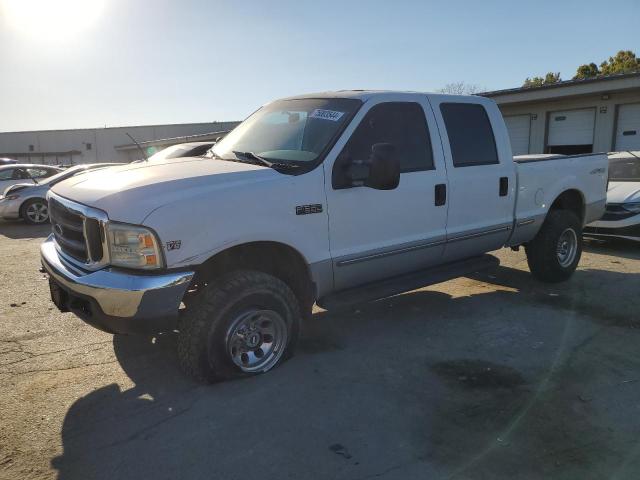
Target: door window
x,y
402,124
470,134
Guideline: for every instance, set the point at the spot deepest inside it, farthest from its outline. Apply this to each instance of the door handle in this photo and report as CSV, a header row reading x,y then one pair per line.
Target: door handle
x,y
504,186
440,194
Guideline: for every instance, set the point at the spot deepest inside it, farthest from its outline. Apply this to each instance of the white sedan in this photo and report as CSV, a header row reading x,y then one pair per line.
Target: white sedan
x,y
622,215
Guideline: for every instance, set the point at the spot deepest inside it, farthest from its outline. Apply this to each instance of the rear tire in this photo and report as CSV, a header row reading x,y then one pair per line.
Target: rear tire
x,y
244,323
553,255
35,211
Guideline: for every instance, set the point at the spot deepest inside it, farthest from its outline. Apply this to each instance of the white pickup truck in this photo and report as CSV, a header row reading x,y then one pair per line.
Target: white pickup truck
x,y
331,198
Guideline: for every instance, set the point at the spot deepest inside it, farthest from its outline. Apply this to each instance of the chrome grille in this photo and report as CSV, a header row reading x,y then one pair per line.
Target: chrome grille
x,y
79,231
68,230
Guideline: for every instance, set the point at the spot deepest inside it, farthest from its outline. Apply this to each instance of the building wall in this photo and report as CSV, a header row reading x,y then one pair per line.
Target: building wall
x,y
94,145
605,122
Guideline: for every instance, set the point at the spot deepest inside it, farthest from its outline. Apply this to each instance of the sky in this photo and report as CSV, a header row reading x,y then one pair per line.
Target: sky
x,y
95,63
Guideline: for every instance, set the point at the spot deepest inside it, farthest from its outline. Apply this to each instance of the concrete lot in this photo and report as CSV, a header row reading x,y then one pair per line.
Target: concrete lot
x,y
495,376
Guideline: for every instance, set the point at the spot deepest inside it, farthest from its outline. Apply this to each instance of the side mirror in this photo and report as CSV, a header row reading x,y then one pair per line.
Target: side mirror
x,y
384,170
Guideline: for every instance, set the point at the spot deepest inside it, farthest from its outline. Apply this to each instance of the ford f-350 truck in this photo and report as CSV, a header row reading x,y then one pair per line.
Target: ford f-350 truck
x,y
332,198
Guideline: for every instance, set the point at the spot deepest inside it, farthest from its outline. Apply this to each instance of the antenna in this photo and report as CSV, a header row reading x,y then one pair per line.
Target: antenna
x,y
139,147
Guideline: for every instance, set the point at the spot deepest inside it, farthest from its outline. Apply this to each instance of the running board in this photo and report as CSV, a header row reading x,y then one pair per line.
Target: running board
x,y
406,283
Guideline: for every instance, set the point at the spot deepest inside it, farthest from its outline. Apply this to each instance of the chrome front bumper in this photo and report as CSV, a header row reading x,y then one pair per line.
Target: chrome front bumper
x,y
113,300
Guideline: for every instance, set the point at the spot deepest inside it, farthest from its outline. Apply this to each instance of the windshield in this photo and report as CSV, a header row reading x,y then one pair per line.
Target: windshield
x,y
624,169
297,130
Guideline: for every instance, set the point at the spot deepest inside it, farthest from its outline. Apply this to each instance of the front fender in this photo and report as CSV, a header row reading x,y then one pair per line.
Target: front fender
x,y
194,229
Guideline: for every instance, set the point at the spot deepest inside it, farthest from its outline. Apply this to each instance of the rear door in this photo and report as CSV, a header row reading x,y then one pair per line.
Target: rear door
x,y
481,175
378,234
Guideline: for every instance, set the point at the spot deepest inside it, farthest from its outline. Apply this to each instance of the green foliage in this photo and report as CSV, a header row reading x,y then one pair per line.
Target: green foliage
x,y
549,78
533,82
587,71
552,78
625,61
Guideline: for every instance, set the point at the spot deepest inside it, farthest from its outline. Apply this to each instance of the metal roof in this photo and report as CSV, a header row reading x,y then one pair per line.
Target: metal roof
x,y
565,83
176,140
40,154
156,125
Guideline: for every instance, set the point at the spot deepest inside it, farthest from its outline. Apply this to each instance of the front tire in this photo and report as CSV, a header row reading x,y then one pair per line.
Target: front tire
x,y
35,211
553,255
244,323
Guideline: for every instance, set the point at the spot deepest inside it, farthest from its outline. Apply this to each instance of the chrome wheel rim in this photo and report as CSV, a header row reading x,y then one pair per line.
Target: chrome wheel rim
x,y
256,340
567,247
38,212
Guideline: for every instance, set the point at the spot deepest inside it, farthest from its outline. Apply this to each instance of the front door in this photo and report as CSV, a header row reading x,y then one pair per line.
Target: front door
x,y
381,233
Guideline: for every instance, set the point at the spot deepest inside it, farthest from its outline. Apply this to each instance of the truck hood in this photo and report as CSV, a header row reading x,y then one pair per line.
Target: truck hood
x,y
622,192
129,193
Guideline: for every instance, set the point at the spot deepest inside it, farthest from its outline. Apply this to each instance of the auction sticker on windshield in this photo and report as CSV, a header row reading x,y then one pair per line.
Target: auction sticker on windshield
x,y
326,114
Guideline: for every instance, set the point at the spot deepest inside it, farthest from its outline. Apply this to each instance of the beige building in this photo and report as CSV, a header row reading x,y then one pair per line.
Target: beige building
x,y
95,145
575,116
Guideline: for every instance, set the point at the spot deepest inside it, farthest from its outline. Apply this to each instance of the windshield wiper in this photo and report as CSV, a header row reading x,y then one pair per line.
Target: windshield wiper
x,y
257,159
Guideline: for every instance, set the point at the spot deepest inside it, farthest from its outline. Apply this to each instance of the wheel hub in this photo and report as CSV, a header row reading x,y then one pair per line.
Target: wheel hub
x,y
567,247
38,212
256,340
253,340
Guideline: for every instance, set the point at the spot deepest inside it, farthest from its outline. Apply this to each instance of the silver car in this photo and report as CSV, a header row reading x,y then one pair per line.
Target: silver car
x,y
622,216
28,200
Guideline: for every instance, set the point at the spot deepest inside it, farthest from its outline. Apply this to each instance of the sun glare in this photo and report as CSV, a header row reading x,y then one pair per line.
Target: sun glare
x,y
51,20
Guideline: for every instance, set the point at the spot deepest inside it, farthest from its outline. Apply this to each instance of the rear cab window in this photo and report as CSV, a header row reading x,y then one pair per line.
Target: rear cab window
x,y
470,134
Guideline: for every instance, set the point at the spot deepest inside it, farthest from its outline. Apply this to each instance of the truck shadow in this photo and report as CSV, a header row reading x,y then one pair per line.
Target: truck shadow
x,y
598,295
17,229
423,383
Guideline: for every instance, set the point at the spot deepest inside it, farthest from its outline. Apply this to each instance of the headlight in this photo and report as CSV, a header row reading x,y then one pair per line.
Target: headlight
x,y
133,247
12,196
632,207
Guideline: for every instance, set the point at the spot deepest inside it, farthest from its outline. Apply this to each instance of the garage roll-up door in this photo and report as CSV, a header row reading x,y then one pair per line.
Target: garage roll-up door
x,y
628,127
571,131
519,127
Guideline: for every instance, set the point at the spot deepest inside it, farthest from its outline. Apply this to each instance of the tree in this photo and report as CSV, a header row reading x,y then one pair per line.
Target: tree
x,y
625,61
460,88
587,71
549,78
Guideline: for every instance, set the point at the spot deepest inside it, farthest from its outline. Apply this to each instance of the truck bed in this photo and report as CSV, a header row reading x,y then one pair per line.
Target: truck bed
x,y
542,178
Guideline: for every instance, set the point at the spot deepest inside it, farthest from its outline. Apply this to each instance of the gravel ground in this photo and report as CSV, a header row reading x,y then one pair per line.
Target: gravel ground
x,y
494,376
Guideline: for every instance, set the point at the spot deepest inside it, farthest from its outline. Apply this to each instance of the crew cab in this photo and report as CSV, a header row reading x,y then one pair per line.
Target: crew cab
x,y
332,198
